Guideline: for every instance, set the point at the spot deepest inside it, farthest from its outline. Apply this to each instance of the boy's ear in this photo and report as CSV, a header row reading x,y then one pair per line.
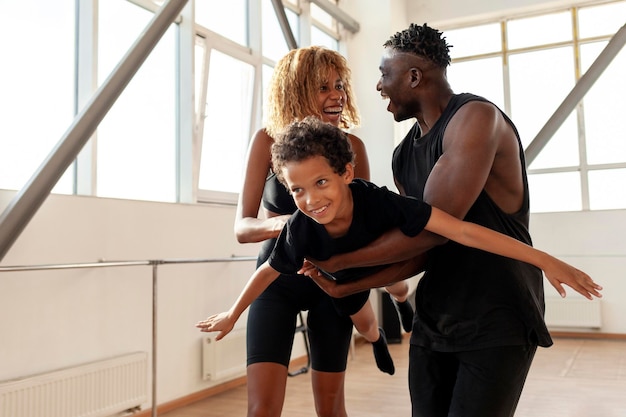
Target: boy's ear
x,y
348,176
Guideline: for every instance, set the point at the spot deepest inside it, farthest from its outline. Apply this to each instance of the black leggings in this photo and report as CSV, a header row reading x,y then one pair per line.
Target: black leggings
x,y
272,322
479,383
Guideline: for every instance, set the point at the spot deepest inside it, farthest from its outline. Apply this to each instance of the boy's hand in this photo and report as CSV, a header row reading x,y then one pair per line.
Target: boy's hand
x,y
310,265
559,272
308,268
222,323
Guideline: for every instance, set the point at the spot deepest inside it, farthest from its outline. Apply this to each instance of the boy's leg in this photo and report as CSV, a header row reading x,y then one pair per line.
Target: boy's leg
x,y
366,324
399,296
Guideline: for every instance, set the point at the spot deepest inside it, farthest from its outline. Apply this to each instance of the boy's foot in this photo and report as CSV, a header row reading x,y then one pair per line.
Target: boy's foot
x,y
405,311
382,355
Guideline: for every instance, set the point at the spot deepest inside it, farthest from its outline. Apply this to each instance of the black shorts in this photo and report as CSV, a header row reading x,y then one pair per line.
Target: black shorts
x,y
351,304
272,322
479,383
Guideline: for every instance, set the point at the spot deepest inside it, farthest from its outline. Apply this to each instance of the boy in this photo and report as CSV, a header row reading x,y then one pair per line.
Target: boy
x,y
338,213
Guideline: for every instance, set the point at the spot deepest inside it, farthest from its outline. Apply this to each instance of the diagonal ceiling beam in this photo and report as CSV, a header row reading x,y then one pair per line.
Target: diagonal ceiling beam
x,y
29,199
578,92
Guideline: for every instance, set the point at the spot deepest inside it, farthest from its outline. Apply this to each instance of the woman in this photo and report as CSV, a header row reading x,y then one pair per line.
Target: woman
x,y
307,81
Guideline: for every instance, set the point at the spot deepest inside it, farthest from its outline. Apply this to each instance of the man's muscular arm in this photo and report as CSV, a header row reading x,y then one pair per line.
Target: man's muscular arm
x,y
393,246
392,274
476,141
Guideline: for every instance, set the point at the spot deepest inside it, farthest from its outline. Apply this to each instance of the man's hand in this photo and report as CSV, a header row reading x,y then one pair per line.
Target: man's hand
x,y
387,276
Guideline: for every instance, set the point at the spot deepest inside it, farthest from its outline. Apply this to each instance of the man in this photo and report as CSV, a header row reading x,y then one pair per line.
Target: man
x,y
479,317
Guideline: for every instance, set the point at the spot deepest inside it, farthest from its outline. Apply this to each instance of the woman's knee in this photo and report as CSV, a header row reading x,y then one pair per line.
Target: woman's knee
x,y
328,391
266,383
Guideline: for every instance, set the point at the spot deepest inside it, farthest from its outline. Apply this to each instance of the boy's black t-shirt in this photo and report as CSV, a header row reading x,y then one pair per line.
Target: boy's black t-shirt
x,y
376,210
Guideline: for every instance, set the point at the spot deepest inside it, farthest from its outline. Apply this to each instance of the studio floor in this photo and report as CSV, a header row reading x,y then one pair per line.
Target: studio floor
x,y
573,378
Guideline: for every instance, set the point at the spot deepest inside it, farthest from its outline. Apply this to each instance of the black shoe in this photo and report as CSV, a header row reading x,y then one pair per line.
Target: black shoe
x,y
382,355
405,311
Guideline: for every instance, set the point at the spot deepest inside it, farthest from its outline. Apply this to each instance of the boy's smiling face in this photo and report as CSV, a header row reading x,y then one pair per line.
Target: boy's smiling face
x,y
319,192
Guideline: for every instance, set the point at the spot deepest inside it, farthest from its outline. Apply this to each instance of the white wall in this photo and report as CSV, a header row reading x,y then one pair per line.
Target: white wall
x,y
593,242
55,319
378,20
442,13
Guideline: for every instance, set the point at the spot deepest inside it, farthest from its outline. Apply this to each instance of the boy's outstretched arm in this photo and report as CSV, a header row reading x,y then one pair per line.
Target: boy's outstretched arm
x,y
476,236
225,321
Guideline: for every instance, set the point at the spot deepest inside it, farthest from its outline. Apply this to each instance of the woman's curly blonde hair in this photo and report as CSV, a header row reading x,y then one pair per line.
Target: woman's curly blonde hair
x,y
293,89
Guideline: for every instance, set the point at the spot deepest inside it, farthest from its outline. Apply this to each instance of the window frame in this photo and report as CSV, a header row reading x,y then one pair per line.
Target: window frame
x,y
583,168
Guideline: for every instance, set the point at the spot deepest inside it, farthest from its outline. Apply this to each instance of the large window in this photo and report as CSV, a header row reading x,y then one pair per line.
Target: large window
x,y
36,87
214,62
528,66
235,74
136,141
227,122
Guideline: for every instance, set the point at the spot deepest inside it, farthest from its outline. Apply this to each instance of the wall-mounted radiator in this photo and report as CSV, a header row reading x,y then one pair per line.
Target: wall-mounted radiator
x,y
573,313
226,358
96,389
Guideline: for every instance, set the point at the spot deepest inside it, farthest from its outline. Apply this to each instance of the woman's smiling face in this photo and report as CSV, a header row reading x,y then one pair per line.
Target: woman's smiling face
x,y
331,98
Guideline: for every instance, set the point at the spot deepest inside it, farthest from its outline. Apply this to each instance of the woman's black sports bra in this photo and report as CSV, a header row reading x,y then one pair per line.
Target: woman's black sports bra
x,y
276,197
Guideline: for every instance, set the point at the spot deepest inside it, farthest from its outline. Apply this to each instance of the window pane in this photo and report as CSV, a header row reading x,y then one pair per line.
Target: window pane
x,y
199,60
321,17
604,135
604,189
540,81
36,86
224,19
601,20
482,77
318,37
137,138
266,74
474,40
532,31
274,43
555,192
227,125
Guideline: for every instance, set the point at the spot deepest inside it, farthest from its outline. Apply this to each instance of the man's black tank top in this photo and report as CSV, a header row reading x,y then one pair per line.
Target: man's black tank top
x,y
467,298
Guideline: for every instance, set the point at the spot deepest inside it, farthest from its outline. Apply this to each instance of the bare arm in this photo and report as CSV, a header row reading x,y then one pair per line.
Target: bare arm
x,y
480,152
476,236
249,227
224,322
470,146
362,163
390,275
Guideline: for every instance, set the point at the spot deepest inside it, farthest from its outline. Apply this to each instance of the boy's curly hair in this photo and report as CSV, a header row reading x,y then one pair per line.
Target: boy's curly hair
x,y
308,138
295,84
424,41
